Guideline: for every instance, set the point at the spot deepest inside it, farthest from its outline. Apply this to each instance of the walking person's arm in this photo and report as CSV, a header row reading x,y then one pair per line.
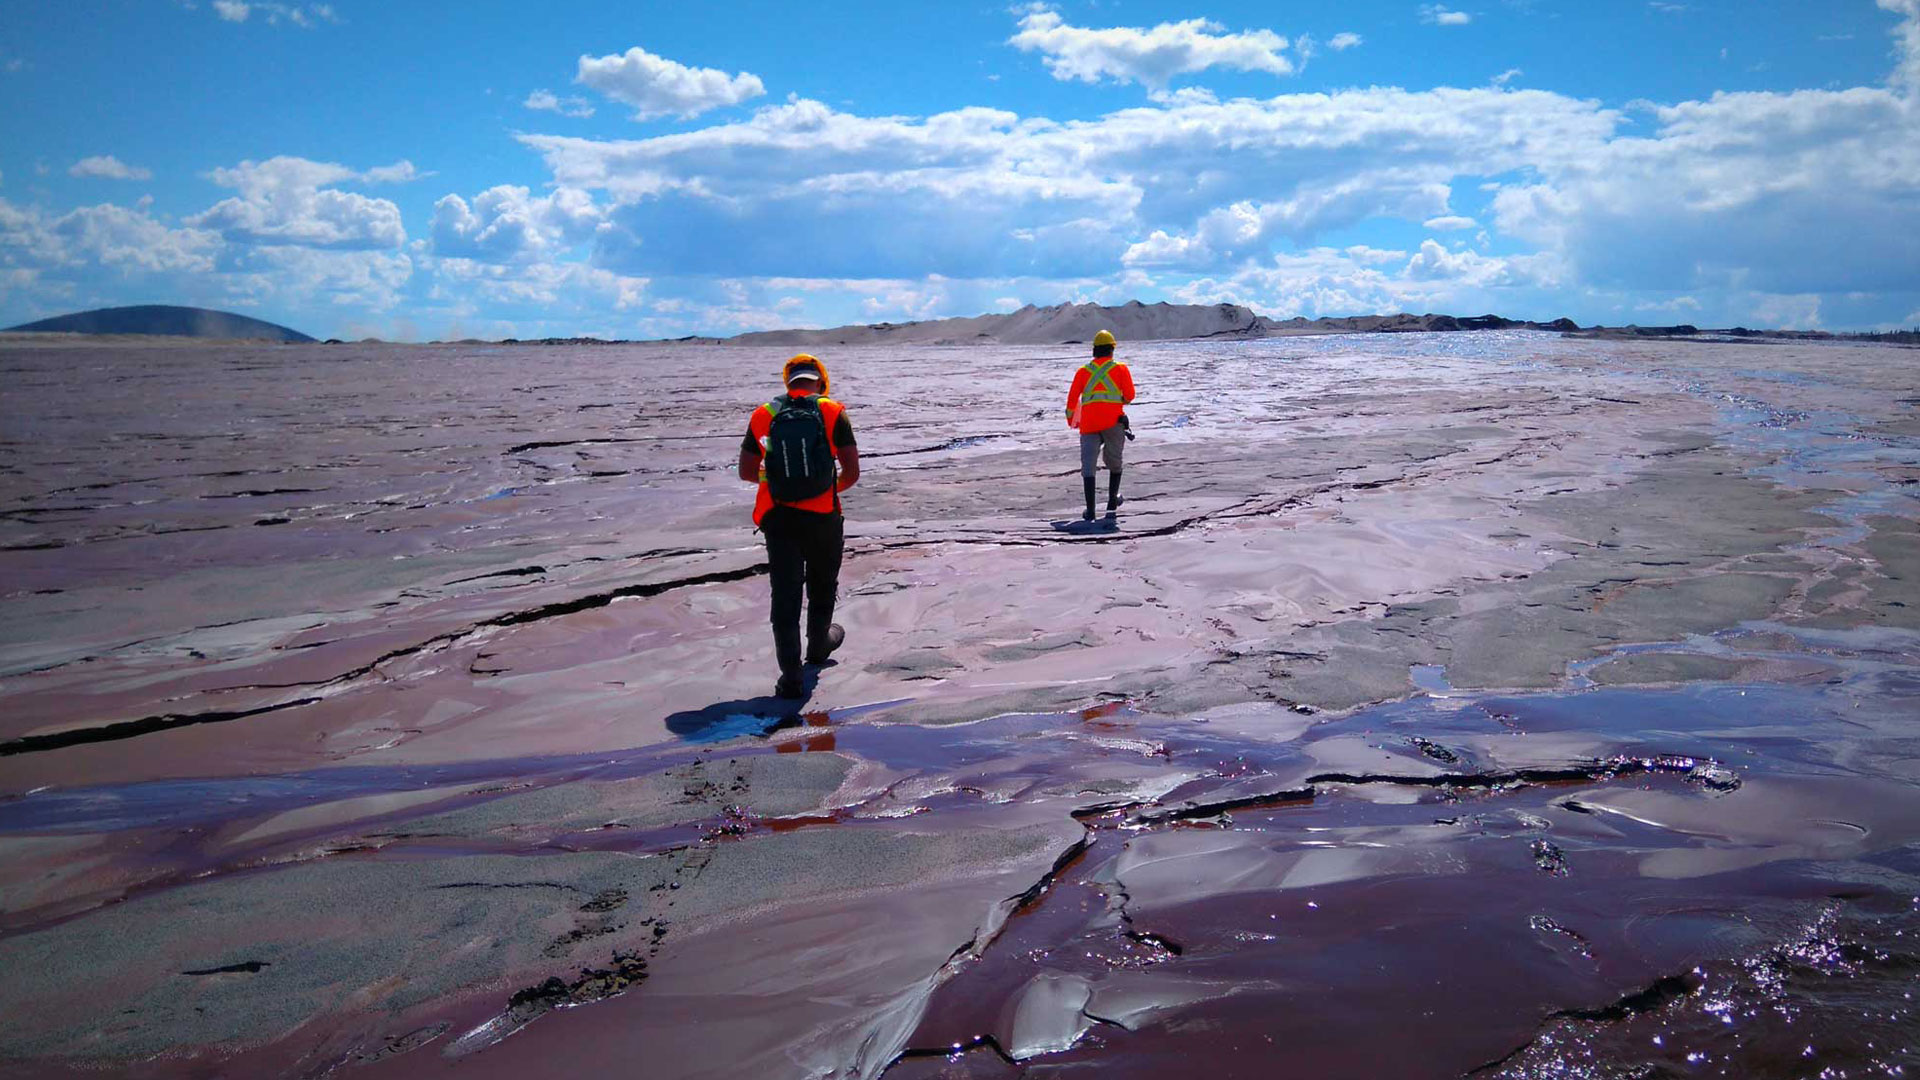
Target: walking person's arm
x,y
846,453
750,457
849,457
1073,394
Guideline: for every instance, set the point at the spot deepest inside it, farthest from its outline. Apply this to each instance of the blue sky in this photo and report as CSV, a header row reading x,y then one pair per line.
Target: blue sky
x,y
416,171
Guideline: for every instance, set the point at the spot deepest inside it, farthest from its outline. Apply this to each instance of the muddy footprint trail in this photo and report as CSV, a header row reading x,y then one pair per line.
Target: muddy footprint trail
x,y
1439,705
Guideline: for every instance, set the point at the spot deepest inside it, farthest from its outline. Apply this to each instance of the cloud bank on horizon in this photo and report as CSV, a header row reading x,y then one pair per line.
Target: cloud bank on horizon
x,y
1176,159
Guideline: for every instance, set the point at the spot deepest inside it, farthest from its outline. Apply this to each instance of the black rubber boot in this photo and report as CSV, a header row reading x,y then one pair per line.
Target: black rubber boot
x,y
1088,516
821,647
786,649
1113,493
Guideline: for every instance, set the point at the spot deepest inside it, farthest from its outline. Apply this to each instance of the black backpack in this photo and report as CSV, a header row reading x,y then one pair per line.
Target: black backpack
x,y
799,462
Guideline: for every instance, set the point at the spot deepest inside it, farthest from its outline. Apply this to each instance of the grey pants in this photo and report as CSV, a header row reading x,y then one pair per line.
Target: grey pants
x,y
1112,441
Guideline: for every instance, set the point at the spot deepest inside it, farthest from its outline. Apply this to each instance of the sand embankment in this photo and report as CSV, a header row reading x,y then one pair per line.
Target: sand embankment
x,y
1130,322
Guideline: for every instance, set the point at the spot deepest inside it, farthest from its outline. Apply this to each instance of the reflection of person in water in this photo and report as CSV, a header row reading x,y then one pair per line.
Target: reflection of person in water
x,y
799,449
1095,404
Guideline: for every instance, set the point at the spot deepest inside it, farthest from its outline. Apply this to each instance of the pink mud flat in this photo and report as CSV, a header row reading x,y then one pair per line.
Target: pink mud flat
x,y
1490,704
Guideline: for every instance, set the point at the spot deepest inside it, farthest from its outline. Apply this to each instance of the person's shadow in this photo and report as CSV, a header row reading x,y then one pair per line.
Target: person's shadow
x,y
1083,527
761,715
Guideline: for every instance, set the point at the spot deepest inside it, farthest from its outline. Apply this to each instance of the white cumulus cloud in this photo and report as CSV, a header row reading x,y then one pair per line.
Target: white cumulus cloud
x,y
548,101
1324,281
1906,38
1784,193
289,277
1343,41
1151,56
125,240
508,224
400,172
54,262
1704,204
289,200
107,167
1435,263
302,15
657,87
1439,15
1762,208
799,189
572,290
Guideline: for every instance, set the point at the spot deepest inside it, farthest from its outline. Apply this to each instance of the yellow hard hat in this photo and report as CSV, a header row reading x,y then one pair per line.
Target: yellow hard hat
x,y
1104,338
804,362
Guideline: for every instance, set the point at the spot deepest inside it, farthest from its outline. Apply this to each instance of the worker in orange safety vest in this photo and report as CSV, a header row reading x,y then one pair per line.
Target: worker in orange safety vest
x,y
799,449
1096,404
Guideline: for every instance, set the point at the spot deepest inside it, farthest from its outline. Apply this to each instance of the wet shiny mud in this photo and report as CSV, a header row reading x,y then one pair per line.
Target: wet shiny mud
x,y
1667,914
1609,883
1496,706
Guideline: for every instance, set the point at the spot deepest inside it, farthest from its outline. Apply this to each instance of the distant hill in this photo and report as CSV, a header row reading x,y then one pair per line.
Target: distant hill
x,y
1131,321
165,320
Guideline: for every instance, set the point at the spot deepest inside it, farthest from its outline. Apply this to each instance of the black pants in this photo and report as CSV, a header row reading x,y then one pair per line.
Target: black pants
x,y
803,551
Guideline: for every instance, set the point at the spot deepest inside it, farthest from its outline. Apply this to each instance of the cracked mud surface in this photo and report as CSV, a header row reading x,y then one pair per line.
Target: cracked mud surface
x,y
1548,704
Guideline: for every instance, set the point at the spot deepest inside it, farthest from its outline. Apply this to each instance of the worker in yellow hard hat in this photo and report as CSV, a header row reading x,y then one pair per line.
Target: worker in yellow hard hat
x,y
1096,404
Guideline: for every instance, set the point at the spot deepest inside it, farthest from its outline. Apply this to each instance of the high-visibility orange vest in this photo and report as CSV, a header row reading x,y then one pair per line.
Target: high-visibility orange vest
x,y
1100,385
758,426
1101,388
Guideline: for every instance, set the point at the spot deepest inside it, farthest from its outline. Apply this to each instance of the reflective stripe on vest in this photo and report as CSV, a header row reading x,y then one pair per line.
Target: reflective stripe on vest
x,y
1100,385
